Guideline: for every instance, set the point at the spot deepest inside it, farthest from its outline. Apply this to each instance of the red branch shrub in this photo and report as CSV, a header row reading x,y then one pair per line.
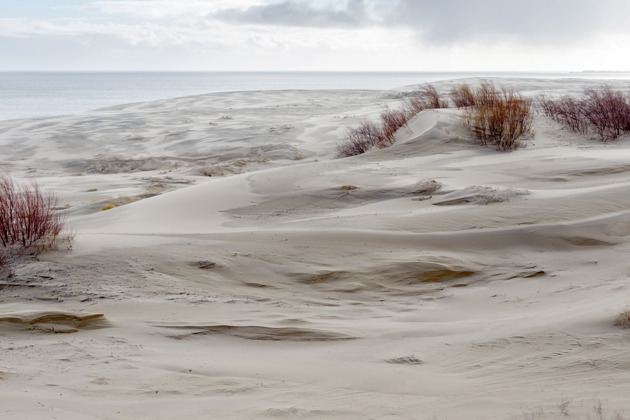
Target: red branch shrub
x,y
368,135
566,110
361,139
608,111
391,121
602,110
28,216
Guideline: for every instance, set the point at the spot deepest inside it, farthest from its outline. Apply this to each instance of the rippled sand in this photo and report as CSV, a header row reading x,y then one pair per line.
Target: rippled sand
x,y
245,273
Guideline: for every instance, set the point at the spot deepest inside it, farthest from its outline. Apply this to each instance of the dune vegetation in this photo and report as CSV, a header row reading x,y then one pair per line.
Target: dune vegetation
x,y
494,116
369,135
499,116
602,110
29,219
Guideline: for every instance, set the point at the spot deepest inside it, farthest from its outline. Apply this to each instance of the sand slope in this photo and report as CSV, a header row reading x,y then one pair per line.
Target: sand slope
x,y
434,279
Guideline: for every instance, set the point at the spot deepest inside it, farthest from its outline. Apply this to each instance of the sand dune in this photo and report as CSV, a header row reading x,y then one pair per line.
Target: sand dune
x,y
433,279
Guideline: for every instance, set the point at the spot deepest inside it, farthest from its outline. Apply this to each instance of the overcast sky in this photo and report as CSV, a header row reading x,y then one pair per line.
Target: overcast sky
x,y
371,35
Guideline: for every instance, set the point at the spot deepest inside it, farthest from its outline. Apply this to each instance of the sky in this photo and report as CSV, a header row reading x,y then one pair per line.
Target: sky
x,y
314,35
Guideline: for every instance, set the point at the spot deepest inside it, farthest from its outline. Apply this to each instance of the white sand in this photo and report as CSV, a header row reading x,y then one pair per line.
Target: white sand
x,y
269,291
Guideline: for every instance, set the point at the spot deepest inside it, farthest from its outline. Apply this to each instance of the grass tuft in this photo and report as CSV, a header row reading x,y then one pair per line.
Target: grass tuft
x,y
462,96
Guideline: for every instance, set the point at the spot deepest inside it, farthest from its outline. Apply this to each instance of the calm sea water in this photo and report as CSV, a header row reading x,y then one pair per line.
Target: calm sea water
x,y
41,94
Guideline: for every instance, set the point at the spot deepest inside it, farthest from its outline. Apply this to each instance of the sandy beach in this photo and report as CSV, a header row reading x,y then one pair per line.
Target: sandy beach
x,y
227,266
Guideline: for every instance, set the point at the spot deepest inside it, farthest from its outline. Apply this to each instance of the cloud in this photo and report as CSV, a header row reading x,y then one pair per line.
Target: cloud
x,y
444,23
24,28
145,33
551,22
156,23
162,9
348,34
297,13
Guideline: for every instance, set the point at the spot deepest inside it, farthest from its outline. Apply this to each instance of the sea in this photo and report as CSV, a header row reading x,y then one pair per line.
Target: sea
x,y
36,94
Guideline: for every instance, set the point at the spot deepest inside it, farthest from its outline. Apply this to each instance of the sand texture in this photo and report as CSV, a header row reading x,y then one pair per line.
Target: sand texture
x,y
242,272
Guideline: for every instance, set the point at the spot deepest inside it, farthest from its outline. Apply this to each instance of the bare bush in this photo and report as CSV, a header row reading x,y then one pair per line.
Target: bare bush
x,y
28,216
368,135
566,110
546,106
432,98
427,97
391,121
361,139
603,110
500,116
414,105
608,111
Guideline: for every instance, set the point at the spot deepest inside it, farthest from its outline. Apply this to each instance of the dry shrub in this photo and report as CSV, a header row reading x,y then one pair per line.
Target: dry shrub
x,y
28,216
566,110
426,98
414,105
361,139
500,116
608,111
623,320
462,96
602,109
368,135
391,121
432,98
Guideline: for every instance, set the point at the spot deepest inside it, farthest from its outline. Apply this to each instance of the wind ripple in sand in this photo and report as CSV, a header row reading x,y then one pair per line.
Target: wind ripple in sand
x,y
480,195
558,356
405,360
398,279
300,413
255,332
53,322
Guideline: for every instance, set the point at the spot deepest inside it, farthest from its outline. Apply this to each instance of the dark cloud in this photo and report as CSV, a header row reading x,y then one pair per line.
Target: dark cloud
x,y
533,21
298,13
440,22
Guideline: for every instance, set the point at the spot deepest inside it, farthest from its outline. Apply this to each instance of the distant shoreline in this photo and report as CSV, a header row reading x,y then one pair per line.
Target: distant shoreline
x,y
41,94
603,71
